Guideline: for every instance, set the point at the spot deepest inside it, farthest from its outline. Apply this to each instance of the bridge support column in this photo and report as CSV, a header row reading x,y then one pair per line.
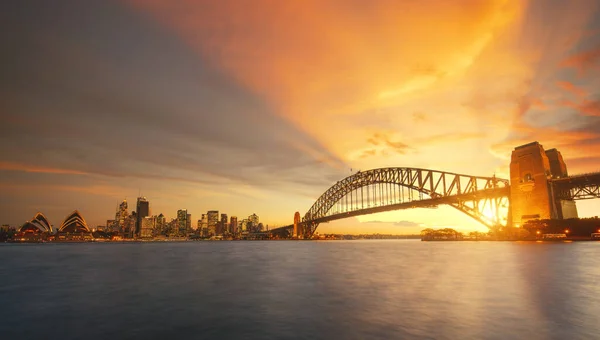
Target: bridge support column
x,y
531,191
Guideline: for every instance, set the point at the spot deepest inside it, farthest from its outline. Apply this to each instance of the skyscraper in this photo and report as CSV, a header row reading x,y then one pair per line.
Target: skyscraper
x,y
148,225
142,210
213,221
223,225
120,217
233,225
160,224
252,223
182,222
204,225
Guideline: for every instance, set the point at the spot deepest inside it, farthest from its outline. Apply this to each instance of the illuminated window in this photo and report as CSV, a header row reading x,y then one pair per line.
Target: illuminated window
x,y
527,178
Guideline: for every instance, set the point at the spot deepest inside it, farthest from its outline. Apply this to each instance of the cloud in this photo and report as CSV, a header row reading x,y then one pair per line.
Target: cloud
x,y
10,166
583,61
571,88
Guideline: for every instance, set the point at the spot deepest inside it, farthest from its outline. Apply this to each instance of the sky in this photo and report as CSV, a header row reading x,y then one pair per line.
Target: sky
x,y
259,106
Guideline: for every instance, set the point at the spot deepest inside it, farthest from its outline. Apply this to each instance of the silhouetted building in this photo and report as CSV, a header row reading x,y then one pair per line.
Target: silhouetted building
x,y
120,217
213,221
37,225
130,225
204,225
160,225
74,223
182,222
233,225
223,225
148,225
142,210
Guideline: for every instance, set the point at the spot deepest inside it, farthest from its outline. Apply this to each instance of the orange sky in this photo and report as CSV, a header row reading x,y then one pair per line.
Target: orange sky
x,y
447,85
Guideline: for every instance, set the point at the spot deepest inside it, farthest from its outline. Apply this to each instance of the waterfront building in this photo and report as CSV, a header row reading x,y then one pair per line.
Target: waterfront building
x,y
148,225
204,225
160,225
110,224
188,223
233,225
213,221
38,228
253,219
129,229
224,230
74,227
182,222
142,210
120,217
244,225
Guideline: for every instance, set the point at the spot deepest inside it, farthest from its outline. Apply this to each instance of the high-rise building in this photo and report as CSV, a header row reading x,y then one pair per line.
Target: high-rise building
x,y
244,225
254,219
182,222
142,210
130,222
213,221
147,228
160,225
223,225
253,223
233,225
110,224
188,223
204,225
120,217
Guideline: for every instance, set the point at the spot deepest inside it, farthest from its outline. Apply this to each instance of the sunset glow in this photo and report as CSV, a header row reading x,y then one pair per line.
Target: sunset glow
x,y
262,105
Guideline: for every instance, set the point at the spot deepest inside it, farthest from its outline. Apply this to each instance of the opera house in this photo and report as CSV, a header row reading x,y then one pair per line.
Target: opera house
x,y
73,228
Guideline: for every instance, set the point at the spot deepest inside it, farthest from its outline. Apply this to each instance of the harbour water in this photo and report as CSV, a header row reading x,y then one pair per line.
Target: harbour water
x,y
392,289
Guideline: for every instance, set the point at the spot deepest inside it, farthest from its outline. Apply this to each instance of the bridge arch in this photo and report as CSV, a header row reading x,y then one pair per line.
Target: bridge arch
x,y
382,189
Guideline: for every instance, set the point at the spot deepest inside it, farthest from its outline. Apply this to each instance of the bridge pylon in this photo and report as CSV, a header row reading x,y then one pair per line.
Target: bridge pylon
x,y
297,225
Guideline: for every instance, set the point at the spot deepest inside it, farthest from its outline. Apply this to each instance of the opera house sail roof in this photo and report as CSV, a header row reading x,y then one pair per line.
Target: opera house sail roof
x,y
39,223
74,223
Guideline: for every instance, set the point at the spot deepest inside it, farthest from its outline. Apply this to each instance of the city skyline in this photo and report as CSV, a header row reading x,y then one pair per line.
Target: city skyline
x,y
263,110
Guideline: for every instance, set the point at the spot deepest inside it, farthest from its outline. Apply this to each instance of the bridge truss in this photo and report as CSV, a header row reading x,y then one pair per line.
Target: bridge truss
x,y
578,187
485,199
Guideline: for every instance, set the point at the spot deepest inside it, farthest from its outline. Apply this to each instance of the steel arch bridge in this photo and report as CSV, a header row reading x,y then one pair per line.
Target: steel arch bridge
x,y
485,199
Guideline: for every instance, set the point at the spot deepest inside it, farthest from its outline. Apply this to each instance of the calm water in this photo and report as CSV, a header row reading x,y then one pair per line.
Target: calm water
x,y
301,290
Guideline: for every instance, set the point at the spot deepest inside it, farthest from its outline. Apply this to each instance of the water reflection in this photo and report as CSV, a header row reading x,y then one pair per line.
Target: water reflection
x,y
339,289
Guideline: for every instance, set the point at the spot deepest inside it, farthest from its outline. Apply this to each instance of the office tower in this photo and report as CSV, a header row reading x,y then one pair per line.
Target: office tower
x,y
253,223
233,225
147,228
120,217
204,225
142,210
160,224
223,224
182,222
213,221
